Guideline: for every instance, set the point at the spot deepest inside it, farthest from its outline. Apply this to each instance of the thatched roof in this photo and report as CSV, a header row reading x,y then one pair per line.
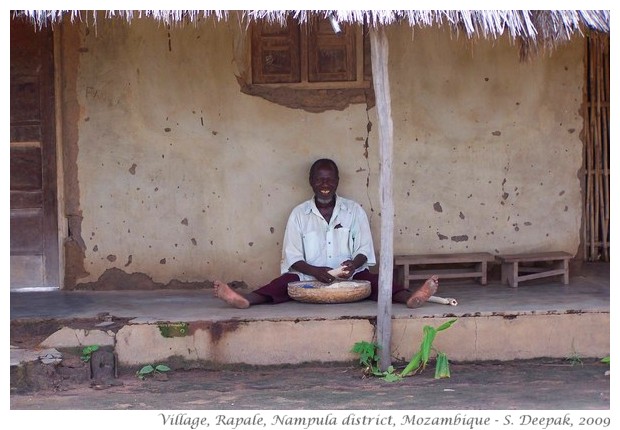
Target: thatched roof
x,y
550,25
531,28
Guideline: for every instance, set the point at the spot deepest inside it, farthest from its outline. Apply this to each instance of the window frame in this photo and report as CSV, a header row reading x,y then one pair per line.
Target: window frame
x,y
362,80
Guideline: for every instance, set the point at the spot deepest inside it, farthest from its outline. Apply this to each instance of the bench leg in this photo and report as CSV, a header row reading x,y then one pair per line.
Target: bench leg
x,y
565,268
510,274
482,268
515,275
403,276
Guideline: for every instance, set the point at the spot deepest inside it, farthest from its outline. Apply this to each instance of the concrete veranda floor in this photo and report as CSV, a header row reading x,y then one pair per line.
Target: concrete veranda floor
x,y
541,318
588,291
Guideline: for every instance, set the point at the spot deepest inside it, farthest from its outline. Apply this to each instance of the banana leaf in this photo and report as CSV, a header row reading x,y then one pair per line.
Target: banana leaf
x,y
446,325
414,364
442,367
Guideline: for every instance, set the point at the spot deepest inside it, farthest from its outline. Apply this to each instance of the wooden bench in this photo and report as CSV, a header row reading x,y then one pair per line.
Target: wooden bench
x,y
514,272
464,265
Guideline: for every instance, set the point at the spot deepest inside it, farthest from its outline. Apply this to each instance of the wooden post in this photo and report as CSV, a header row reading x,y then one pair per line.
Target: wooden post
x,y
379,55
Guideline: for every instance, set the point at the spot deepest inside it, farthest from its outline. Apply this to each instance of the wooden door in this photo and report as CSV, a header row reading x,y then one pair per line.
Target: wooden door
x,y
34,218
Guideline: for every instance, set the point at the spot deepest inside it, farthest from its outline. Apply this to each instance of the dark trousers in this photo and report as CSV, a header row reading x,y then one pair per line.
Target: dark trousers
x,y
277,290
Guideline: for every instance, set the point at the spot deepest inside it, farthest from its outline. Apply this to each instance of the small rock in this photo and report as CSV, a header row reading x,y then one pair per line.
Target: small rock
x,y
50,356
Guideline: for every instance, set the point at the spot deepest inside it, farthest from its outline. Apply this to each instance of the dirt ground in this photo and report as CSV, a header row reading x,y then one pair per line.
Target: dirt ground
x,y
516,385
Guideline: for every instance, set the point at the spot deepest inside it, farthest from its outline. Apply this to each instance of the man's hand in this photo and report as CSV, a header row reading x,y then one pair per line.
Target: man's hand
x,y
348,267
340,272
322,274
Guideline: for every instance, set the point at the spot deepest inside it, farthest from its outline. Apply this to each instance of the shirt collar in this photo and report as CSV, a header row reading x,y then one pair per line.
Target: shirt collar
x,y
311,205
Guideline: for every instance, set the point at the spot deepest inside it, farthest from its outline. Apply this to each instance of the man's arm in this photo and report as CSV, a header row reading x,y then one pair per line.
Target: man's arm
x,y
320,273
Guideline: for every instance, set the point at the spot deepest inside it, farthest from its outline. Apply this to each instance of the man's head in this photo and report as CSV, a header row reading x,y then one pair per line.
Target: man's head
x,y
324,179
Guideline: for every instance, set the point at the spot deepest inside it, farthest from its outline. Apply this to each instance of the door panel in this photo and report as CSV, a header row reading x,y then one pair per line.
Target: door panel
x,y
34,218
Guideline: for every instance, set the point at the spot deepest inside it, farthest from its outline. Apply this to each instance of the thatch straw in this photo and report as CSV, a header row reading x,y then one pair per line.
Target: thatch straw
x,y
548,26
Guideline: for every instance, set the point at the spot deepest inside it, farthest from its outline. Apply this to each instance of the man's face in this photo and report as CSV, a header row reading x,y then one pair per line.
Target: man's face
x,y
324,183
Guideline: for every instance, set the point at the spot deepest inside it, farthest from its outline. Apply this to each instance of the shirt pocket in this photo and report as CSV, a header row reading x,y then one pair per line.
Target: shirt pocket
x,y
341,243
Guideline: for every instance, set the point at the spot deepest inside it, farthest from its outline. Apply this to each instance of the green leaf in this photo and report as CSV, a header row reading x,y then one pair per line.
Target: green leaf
x,y
427,343
442,367
90,349
146,370
87,351
162,368
446,325
413,364
367,353
375,371
605,360
391,377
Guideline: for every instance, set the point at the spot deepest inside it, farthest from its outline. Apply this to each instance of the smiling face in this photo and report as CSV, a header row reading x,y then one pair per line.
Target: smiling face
x,y
324,182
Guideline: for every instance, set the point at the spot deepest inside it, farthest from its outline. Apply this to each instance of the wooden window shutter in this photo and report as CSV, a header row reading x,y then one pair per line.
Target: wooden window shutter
x,y
275,53
331,56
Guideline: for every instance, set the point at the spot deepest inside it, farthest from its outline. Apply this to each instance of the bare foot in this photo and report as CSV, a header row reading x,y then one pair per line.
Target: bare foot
x,y
230,296
423,293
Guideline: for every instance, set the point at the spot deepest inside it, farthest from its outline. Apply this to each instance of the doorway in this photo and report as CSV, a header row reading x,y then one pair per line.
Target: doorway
x,y
34,217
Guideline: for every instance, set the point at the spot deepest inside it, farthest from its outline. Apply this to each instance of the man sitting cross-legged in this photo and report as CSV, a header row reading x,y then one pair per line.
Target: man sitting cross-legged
x,y
325,232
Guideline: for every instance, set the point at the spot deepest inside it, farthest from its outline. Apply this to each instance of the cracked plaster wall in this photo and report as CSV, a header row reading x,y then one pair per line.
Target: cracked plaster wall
x,y
182,177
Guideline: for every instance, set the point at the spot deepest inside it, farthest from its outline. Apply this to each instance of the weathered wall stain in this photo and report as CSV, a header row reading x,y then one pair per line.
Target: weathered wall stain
x,y
117,279
219,329
461,238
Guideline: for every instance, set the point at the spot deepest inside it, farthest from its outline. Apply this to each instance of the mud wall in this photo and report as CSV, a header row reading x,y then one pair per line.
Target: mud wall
x,y
183,178
487,148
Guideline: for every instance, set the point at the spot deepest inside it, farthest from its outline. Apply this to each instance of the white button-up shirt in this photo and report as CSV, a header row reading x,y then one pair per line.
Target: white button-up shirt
x,y
310,238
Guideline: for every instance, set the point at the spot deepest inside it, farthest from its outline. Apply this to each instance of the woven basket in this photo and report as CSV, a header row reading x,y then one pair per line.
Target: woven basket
x,y
337,292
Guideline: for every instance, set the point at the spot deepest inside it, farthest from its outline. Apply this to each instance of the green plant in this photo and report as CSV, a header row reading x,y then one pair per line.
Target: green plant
x,y
150,370
368,356
605,360
87,352
574,359
420,359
